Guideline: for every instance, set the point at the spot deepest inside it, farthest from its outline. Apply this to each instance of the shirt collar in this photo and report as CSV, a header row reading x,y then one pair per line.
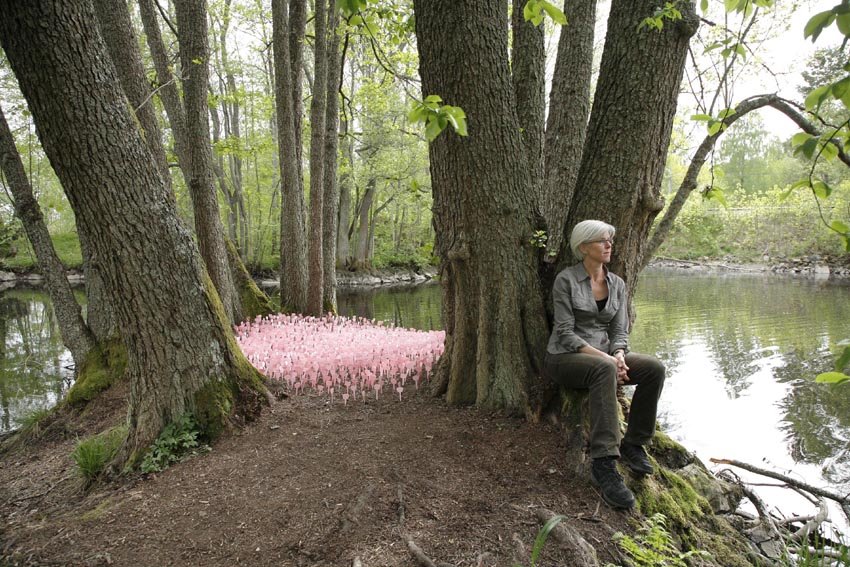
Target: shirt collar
x,y
581,272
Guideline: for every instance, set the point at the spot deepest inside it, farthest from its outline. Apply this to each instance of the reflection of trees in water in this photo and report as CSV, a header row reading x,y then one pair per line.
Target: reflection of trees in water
x,y
816,416
31,373
416,307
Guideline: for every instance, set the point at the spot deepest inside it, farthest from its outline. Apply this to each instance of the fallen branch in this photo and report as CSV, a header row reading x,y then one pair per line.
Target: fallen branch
x,y
843,501
812,523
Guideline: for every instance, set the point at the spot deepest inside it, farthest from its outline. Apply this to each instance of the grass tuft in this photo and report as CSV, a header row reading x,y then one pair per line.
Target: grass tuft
x,y
94,453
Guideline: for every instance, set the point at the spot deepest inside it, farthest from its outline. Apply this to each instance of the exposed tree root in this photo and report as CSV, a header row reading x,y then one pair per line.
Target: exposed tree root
x,y
414,549
351,517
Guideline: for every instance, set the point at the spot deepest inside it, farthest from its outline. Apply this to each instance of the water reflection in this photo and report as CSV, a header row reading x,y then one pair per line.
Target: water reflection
x,y
35,370
415,307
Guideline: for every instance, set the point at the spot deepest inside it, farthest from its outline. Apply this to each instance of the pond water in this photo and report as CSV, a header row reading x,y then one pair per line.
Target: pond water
x,y
741,353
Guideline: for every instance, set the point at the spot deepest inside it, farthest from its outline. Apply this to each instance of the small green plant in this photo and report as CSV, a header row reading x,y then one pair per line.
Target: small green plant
x,y
820,555
93,454
539,239
541,538
843,360
177,440
653,546
31,422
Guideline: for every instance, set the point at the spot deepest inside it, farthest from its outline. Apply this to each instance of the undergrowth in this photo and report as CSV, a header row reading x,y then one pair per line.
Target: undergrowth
x,y
94,453
653,546
177,440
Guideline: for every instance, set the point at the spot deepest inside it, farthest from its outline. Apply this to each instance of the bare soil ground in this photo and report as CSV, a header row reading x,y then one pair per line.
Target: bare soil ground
x,y
312,484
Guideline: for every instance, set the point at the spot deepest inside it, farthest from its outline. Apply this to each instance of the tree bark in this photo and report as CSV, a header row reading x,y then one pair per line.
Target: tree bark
x,y
346,184
330,225
194,57
569,108
361,253
315,289
528,63
483,210
76,336
629,131
117,30
293,246
182,356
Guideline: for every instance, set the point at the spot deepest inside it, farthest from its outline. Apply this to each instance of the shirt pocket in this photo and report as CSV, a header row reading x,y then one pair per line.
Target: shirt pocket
x,y
583,302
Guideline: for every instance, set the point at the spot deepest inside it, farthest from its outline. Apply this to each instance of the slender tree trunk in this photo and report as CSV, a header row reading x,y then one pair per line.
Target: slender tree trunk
x,y
76,336
194,56
318,110
330,226
528,61
182,356
117,30
483,210
569,108
167,86
293,246
361,254
629,131
346,183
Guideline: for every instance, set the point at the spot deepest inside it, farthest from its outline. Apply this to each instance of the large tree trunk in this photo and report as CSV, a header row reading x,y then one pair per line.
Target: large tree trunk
x,y
194,57
117,30
182,356
629,130
569,108
317,160
483,210
330,225
76,336
293,245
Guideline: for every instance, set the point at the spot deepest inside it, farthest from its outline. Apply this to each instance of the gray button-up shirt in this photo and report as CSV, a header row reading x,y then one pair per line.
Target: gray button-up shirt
x,y
578,322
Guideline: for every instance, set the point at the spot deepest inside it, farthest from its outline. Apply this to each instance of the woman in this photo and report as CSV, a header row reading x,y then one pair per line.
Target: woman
x,y
589,349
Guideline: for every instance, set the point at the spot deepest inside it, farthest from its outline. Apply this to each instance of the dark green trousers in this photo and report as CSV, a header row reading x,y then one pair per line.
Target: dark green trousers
x,y
599,376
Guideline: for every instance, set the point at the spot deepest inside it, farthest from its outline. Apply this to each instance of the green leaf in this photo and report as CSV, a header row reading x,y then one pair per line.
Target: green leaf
x,y
432,130
832,378
843,360
799,138
355,20
530,10
821,189
433,98
843,21
739,49
808,148
730,5
839,226
418,114
828,151
716,194
701,117
714,127
703,6
542,536
554,12
726,113
817,24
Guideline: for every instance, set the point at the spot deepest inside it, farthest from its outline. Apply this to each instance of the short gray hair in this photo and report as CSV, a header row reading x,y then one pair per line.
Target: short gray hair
x,y
586,231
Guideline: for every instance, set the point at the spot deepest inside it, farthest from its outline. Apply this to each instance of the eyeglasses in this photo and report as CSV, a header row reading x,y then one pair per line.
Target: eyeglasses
x,y
603,241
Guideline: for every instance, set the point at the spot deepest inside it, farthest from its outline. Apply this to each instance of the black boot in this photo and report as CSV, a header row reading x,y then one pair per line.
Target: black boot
x,y
634,457
603,473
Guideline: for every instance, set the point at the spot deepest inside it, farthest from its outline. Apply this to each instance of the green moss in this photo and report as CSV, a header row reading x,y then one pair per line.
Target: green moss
x,y
254,301
669,494
102,368
244,390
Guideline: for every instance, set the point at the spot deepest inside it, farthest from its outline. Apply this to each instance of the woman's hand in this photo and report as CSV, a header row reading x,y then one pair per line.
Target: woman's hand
x,y
622,368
